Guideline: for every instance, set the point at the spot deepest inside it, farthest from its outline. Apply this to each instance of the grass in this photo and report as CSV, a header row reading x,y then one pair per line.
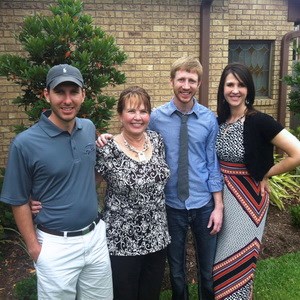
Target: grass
x,y
276,278
193,293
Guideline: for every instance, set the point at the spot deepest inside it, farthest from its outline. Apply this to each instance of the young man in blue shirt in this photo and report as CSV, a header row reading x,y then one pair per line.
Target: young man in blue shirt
x,y
202,210
53,162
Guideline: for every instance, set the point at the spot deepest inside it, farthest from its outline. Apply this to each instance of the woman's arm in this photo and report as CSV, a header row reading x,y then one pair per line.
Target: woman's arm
x,y
288,143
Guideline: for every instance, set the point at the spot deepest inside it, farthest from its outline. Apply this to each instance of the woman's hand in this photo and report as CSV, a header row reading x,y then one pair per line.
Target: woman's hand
x,y
35,206
264,186
102,139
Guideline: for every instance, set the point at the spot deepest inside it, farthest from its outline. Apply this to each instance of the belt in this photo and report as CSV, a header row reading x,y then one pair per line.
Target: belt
x,y
71,233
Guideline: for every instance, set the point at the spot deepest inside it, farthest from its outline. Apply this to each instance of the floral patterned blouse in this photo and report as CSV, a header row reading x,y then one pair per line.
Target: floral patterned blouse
x,y
135,212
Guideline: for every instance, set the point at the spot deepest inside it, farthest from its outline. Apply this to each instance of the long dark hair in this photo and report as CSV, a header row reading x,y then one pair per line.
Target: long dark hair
x,y
243,75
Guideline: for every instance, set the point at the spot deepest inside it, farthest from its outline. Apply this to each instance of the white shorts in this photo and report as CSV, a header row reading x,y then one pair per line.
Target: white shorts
x,y
74,267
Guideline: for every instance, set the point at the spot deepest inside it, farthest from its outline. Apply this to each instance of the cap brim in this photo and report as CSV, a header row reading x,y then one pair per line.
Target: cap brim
x,y
62,79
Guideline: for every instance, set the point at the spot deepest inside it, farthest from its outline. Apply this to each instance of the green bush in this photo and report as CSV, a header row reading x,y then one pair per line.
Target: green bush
x,y
6,218
295,214
6,215
296,132
8,227
65,35
26,289
284,186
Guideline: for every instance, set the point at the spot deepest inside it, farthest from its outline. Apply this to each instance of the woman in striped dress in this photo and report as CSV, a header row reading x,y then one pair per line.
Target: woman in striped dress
x,y
245,149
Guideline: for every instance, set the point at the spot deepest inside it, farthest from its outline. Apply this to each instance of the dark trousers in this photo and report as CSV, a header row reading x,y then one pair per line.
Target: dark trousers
x,y
179,222
138,277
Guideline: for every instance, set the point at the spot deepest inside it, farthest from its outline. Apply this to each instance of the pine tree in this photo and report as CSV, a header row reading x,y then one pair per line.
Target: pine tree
x,y
66,36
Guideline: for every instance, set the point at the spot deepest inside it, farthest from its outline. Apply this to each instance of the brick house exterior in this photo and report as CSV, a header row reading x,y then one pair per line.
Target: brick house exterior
x,y
154,33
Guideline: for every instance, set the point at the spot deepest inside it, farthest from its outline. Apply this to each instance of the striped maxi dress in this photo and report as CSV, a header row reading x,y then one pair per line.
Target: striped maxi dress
x,y
245,212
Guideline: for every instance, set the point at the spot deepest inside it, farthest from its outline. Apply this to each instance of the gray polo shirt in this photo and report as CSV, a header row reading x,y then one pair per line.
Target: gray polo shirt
x,y
56,168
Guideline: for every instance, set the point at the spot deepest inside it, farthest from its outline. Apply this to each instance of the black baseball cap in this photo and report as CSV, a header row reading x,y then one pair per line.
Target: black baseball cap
x,y
63,73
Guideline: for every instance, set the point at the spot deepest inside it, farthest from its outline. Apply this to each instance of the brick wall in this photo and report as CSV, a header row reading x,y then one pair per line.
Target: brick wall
x,y
154,33
243,20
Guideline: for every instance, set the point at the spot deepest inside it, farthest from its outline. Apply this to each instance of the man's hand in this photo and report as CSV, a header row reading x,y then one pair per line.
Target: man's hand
x,y
35,251
216,217
215,220
102,139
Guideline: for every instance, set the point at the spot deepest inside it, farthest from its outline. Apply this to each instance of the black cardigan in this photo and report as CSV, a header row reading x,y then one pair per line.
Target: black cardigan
x,y
259,130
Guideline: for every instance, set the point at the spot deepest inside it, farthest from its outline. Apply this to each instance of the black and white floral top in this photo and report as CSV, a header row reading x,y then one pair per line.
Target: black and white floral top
x,y
134,212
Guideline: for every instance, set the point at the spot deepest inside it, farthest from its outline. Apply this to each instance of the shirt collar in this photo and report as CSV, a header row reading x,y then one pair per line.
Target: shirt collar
x,y
194,109
50,129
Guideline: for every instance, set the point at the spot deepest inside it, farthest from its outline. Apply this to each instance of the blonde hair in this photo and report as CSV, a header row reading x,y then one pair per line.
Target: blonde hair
x,y
189,64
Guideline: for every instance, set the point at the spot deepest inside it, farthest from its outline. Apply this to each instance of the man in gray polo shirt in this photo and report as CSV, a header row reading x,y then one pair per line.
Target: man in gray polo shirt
x,y
53,162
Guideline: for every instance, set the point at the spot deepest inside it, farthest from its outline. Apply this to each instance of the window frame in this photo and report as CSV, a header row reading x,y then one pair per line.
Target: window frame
x,y
270,44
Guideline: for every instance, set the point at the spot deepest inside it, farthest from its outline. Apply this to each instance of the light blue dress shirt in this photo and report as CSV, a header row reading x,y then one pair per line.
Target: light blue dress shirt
x,y
204,171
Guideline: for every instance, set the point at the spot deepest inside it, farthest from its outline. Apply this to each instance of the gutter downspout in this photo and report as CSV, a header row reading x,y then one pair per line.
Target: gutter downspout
x,y
284,60
204,49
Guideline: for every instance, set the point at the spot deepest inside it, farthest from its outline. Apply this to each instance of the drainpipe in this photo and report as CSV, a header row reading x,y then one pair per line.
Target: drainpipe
x,y
204,49
284,61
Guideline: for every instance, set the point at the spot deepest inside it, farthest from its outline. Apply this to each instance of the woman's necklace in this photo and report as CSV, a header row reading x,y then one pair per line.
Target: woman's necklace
x,y
229,125
239,118
139,153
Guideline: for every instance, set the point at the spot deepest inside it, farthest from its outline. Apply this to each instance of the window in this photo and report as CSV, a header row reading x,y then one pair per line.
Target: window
x,y
256,56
